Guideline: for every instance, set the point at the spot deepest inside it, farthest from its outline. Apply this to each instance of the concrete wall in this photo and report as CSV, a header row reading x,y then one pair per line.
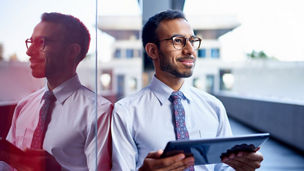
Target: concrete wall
x,y
282,121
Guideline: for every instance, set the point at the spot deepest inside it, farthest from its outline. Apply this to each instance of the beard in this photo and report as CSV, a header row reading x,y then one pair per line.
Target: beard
x,y
166,66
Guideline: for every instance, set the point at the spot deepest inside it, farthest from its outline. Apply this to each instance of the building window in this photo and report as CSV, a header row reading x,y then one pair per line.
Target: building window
x,y
226,79
132,83
210,83
202,53
129,53
120,86
106,80
137,53
198,83
215,53
117,53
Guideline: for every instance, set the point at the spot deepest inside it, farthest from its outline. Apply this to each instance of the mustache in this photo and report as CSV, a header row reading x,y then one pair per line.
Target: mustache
x,y
186,58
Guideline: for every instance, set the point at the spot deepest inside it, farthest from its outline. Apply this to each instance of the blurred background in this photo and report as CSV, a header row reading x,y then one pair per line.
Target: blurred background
x,y
251,58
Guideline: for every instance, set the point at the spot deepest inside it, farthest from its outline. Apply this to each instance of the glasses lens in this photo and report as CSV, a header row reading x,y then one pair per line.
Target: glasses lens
x,y
179,42
195,42
37,43
28,43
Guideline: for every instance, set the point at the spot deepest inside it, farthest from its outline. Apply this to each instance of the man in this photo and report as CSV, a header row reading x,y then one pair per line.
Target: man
x,y
66,136
144,122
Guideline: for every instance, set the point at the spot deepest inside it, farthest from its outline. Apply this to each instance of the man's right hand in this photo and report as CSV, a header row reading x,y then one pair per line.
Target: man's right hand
x,y
176,162
31,160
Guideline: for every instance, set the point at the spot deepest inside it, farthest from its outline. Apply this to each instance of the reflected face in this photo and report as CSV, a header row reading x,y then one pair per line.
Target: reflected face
x,y
178,63
47,50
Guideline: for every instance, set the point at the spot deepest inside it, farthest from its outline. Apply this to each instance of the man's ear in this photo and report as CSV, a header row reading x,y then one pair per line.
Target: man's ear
x,y
152,50
74,51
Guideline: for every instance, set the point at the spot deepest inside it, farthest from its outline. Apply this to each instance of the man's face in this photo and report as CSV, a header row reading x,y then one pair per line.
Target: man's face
x,y
47,52
174,62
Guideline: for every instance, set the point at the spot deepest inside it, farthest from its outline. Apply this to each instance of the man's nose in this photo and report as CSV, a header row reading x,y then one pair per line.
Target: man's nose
x,y
31,50
188,49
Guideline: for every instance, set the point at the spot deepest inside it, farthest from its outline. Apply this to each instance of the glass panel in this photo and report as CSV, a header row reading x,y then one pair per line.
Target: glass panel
x,y
68,119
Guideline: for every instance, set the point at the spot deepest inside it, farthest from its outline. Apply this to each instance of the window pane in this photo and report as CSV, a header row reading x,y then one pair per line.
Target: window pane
x,y
117,53
129,53
202,53
215,53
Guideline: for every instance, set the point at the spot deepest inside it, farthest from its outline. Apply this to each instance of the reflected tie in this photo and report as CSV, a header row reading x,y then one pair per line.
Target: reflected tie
x,y
181,131
40,130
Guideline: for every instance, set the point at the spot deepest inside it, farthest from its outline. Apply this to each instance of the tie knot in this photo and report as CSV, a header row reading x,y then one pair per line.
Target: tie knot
x,y
176,95
48,96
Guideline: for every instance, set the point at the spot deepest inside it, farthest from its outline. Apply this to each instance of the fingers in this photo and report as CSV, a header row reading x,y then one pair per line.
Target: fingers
x,y
163,163
253,160
173,159
238,166
155,155
181,164
244,161
176,162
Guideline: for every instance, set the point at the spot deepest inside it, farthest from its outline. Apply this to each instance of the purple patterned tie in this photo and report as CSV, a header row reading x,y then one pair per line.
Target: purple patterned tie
x,y
40,130
181,131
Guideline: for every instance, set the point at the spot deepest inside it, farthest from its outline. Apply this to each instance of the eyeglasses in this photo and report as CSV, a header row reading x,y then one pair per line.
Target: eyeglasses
x,y
38,42
179,42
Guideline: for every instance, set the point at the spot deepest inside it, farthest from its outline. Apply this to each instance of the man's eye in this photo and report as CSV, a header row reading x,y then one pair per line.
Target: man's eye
x,y
178,40
39,41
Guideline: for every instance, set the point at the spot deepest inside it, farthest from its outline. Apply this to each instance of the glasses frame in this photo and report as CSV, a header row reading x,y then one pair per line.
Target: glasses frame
x,y
172,38
29,42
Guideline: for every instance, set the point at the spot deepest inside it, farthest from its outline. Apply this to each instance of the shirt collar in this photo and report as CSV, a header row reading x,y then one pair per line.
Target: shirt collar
x,y
65,90
186,91
163,92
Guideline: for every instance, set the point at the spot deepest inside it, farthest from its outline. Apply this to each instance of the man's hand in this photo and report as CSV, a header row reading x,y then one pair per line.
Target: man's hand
x,y
244,161
176,162
41,160
33,160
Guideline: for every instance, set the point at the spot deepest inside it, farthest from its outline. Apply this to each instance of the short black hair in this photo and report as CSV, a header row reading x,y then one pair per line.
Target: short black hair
x,y
76,31
149,29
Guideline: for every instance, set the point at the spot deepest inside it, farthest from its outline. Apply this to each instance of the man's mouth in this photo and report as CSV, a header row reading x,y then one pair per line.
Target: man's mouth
x,y
189,61
34,62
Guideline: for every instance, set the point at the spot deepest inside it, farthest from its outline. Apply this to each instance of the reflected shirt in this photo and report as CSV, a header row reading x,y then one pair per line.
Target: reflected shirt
x,y
71,135
143,123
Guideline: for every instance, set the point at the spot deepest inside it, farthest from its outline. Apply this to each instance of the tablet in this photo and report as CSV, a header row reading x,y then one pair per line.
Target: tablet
x,y
210,151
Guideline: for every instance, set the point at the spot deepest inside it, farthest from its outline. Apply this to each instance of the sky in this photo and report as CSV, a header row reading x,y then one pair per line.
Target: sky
x,y
274,26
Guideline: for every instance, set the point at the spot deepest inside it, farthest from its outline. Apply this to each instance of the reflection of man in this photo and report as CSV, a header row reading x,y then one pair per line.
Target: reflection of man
x,y
60,130
169,109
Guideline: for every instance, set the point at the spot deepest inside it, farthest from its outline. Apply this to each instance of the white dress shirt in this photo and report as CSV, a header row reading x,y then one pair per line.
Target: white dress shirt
x,y
71,135
142,123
